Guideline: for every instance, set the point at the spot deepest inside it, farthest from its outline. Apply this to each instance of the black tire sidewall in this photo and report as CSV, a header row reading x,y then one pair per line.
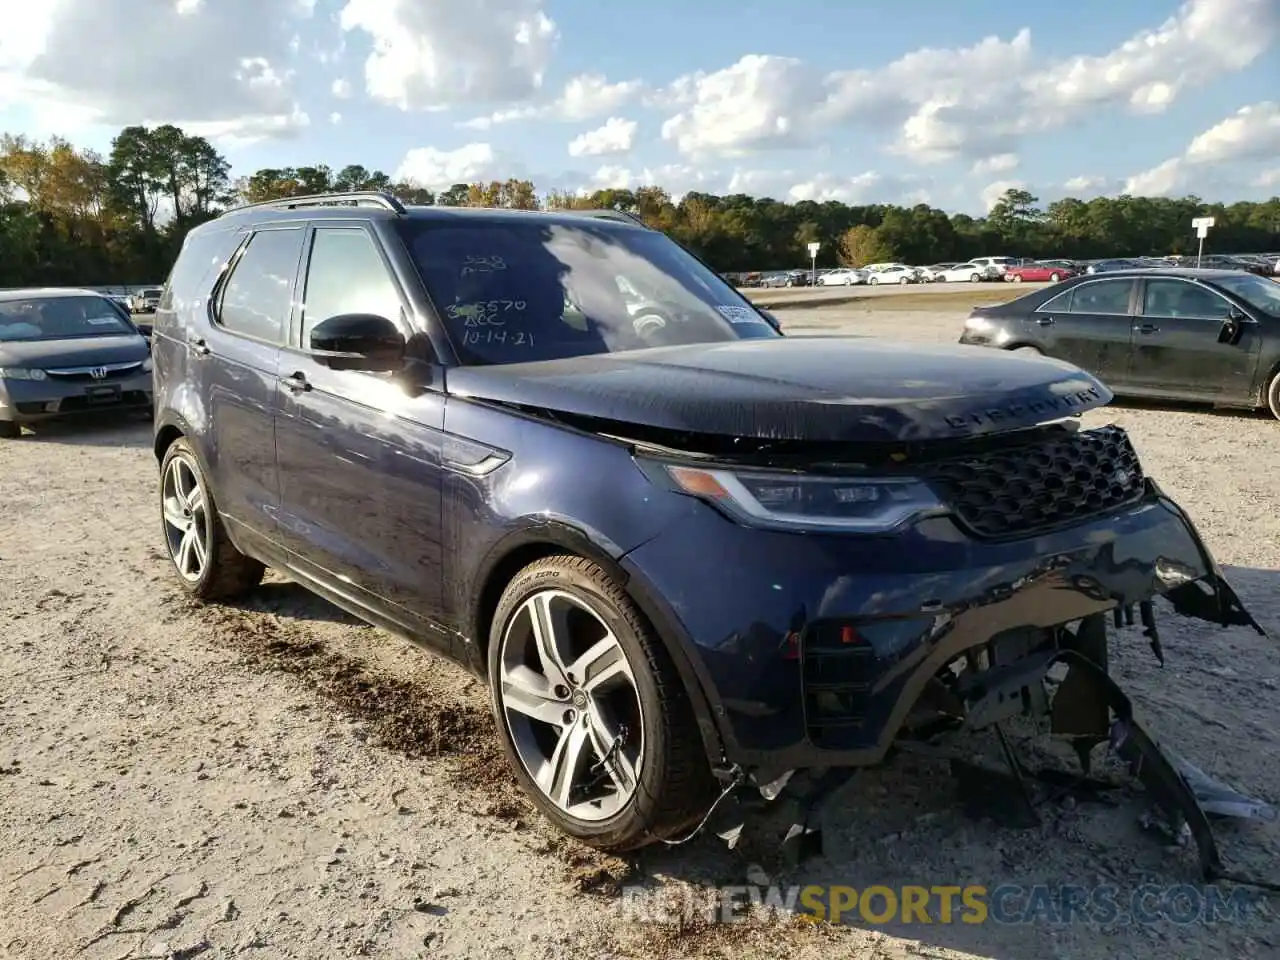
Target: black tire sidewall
x,y
637,817
10,430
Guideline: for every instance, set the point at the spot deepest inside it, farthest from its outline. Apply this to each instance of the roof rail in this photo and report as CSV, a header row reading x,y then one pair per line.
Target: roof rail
x,y
357,198
619,215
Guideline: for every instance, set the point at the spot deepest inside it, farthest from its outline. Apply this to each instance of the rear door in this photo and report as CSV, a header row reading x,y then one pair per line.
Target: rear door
x,y
360,458
1090,325
1176,350
234,362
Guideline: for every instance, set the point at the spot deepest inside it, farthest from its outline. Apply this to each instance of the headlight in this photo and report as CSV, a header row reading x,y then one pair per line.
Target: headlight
x,y
21,373
796,501
147,365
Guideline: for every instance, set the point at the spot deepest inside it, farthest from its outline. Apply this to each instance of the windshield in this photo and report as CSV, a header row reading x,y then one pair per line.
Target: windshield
x,y
58,318
513,292
1260,293
153,292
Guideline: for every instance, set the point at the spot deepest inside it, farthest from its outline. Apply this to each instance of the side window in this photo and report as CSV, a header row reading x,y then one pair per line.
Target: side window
x,y
346,274
200,254
1177,298
1103,296
256,297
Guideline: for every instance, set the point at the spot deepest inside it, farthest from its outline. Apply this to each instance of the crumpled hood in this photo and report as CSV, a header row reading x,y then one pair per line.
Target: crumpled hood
x,y
820,389
73,351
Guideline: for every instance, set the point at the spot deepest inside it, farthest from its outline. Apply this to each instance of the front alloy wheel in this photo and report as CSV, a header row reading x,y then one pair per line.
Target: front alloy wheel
x,y
593,717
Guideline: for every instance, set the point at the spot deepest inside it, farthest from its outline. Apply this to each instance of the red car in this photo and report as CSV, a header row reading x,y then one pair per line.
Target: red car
x,y
1039,273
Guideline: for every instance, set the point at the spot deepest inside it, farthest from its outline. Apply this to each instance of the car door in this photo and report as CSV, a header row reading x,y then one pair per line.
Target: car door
x,y
1176,347
1090,325
360,457
234,364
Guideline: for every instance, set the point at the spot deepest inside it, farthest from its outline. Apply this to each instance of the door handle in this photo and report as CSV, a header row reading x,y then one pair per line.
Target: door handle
x,y
1148,328
1045,321
296,381
199,346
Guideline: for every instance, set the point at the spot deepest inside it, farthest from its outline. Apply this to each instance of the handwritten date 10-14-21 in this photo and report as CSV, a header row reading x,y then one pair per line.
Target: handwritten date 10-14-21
x,y
511,338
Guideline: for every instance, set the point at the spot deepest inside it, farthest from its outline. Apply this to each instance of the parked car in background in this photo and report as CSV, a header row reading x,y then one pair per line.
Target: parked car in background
x,y
841,278
1172,333
447,422
789,278
930,273
65,353
146,301
895,273
995,267
1107,266
961,273
1038,273
1226,262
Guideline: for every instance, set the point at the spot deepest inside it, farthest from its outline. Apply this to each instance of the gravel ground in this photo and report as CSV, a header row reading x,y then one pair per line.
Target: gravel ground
x,y
275,780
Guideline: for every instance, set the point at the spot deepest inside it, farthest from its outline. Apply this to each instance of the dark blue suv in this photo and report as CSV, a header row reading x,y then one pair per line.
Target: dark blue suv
x,y
687,553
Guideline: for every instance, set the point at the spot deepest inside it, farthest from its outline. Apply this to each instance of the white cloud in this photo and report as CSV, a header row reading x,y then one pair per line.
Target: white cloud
x,y
341,88
1091,185
974,102
430,56
335,118
441,169
1268,179
615,137
868,187
584,97
992,192
996,163
221,66
1251,133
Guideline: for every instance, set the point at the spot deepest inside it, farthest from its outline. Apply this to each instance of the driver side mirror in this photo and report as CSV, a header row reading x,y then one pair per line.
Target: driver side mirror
x,y
771,320
1232,327
358,341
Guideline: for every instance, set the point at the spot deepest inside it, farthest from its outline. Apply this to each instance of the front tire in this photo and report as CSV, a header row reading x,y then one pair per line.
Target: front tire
x,y
1273,396
577,675
1017,278
873,282
208,565
9,430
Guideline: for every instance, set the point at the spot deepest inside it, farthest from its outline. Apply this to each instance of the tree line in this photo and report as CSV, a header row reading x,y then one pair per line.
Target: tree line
x,y
72,216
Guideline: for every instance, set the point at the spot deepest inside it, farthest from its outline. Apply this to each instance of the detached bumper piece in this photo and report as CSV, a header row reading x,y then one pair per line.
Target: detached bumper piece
x,y
1088,707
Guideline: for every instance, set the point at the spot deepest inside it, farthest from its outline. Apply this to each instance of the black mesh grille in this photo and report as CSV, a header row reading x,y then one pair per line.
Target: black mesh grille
x,y
1039,486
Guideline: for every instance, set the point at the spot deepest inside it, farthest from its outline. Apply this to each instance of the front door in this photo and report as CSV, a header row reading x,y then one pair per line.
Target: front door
x,y
360,458
1089,325
234,359
1176,346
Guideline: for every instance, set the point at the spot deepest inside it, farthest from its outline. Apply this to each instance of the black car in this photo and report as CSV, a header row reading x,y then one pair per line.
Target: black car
x,y
687,554
65,353
1173,333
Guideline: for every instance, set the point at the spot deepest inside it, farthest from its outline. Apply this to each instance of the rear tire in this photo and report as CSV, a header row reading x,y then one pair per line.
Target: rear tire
x,y
1017,278
1273,396
9,430
1054,278
1029,351
578,699
975,278
208,565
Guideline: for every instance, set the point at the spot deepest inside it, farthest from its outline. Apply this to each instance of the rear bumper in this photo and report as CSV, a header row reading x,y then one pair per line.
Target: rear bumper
x,y
811,651
31,401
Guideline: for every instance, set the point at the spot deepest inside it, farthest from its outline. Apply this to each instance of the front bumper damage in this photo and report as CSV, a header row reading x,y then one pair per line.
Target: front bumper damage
x,y
1012,678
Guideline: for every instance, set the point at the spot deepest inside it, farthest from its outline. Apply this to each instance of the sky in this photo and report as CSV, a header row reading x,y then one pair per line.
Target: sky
x,y
863,101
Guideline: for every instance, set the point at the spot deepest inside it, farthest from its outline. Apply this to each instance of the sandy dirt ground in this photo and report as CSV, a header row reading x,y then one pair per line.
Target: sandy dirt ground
x,y
275,780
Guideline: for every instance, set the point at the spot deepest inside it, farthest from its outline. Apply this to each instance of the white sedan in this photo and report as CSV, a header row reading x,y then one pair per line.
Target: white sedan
x,y
899,273
961,273
841,278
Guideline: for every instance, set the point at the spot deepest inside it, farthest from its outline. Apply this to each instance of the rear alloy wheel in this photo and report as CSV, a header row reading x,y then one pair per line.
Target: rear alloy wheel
x,y
975,278
1273,396
593,718
9,430
208,564
1017,278
904,280
1054,278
